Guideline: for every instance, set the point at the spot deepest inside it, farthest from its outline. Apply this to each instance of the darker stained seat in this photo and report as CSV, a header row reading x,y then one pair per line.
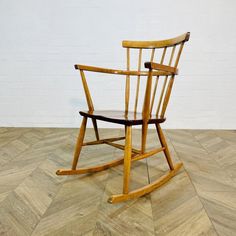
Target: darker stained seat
x,y
119,117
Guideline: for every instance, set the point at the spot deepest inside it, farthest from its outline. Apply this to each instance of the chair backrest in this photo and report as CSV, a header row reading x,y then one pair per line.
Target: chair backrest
x,y
169,52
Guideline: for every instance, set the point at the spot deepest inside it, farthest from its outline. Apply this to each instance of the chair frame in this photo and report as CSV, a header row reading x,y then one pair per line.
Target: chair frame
x,y
131,154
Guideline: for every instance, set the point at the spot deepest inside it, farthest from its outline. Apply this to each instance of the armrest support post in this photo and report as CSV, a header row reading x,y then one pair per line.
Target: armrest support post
x,y
86,91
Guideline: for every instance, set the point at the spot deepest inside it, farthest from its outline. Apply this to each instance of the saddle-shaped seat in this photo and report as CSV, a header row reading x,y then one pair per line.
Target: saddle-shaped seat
x,y
121,117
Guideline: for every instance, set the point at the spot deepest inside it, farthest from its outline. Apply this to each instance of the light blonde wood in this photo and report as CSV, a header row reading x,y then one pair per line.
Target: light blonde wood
x,y
151,60
167,96
157,79
144,136
152,55
165,146
95,126
101,141
156,66
134,157
128,59
86,90
128,119
146,111
138,80
127,159
146,189
161,96
127,84
79,143
165,82
122,147
148,154
91,169
119,72
163,55
170,85
154,94
156,44
178,55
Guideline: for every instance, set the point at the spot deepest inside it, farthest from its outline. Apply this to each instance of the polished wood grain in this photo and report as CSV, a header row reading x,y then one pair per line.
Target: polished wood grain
x,y
156,66
147,154
127,82
122,147
101,141
164,145
157,44
127,159
86,91
79,143
129,117
119,72
160,103
138,80
157,79
120,117
92,169
146,111
146,189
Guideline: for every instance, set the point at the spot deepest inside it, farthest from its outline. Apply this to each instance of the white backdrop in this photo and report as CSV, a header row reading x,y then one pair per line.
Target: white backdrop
x,y
40,41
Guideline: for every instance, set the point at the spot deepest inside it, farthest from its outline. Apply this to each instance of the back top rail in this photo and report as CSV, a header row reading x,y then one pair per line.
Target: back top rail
x,y
156,44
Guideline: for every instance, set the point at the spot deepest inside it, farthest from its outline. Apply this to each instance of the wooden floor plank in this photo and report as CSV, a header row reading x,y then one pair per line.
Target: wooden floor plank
x,y
177,209
199,200
210,177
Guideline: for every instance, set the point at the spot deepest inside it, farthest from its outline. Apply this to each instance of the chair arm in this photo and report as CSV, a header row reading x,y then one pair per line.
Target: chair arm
x,y
160,67
118,72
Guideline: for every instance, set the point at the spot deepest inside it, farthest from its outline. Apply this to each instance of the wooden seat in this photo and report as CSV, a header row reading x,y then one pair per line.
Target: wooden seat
x,y
120,117
159,78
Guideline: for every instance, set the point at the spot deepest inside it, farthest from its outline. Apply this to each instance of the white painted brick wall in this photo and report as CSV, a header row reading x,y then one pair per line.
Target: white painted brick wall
x,y
40,41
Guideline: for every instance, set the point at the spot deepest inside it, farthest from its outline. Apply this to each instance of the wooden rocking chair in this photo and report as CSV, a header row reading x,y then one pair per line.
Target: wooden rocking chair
x,y
131,118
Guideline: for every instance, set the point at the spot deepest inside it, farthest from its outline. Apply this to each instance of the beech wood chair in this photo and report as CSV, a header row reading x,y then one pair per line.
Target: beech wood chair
x,y
130,118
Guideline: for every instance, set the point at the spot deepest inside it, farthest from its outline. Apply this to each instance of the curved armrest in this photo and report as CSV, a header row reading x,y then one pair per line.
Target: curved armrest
x,y
118,72
156,66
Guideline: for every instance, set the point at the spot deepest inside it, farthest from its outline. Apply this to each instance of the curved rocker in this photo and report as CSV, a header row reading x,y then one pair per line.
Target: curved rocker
x,y
131,117
146,189
91,169
130,155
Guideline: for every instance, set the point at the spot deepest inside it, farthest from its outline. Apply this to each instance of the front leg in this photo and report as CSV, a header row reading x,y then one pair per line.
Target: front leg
x,y
127,159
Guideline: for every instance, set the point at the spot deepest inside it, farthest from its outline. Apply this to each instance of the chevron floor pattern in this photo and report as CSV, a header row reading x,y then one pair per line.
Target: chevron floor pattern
x,y
199,200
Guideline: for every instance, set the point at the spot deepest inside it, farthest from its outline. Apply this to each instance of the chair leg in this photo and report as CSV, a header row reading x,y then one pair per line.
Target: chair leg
x,y
144,137
79,143
92,169
127,158
95,126
164,144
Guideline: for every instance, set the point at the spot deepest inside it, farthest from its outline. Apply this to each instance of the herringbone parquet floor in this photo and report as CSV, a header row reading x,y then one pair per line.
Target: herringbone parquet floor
x,y
200,200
